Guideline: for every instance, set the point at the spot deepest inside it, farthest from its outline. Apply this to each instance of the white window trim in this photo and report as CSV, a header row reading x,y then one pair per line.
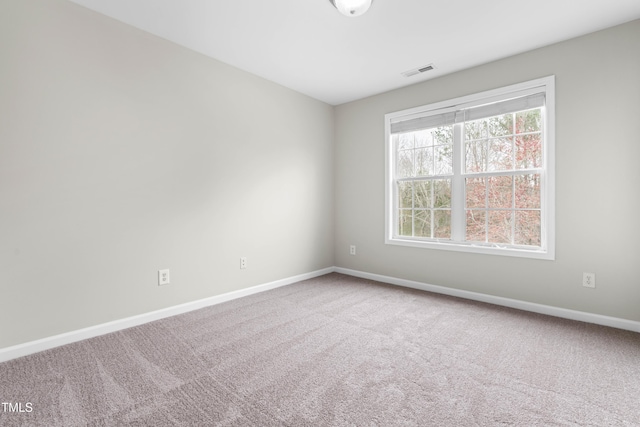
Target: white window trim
x,y
547,252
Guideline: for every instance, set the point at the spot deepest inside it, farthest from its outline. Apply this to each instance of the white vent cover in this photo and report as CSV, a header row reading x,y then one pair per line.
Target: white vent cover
x,y
418,70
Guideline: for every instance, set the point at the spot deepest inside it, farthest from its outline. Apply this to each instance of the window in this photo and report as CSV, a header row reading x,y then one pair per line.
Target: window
x,y
474,173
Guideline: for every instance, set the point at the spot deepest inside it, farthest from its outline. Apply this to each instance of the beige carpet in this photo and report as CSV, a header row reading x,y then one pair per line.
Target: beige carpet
x,y
336,351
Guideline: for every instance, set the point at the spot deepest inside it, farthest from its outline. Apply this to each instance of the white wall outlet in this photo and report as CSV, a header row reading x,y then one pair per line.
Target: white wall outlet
x,y
163,277
243,262
589,280
352,249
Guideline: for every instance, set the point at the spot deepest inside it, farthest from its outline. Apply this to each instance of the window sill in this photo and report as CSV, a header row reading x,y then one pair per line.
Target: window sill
x,y
474,248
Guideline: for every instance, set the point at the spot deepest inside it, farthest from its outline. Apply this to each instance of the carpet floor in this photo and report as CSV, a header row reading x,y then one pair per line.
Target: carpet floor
x,y
335,351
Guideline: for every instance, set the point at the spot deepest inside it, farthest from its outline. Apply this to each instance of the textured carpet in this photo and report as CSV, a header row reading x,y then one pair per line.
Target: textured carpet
x,y
336,351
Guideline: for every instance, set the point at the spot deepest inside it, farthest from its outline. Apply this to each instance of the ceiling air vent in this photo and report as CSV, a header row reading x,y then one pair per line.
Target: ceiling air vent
x,y
418,70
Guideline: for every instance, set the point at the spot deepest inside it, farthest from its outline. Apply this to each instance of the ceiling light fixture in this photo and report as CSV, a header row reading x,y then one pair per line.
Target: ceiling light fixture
x,y
351,7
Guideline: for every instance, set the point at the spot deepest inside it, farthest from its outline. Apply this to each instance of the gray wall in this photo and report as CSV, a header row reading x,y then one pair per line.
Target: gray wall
x,y
597,167
122,154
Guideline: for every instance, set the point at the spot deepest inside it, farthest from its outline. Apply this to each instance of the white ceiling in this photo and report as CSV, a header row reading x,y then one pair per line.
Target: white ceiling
x,y
306,45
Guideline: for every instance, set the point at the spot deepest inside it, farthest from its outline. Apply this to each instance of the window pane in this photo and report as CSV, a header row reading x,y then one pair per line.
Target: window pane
x,y
424,161
442,193
528,121
499,227
475,189
423,138
500,125
422,223
422,194
442,135
476,226
405,163
500,192
405,194
500,154
528,151
405,141
476,129
528,191
528,228
405,220
442,224
476,156
443,159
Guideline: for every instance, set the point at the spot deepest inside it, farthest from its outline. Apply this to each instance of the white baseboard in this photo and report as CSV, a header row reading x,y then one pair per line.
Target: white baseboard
x,y
31,347
582,316
25,349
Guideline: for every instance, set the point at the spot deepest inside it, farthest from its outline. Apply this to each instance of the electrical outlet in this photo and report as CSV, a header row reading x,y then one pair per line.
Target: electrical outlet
x,y
352,249
589,280
163,277
243,262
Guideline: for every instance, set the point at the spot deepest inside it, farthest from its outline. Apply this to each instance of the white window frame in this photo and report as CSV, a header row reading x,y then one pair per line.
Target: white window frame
x,y
544,85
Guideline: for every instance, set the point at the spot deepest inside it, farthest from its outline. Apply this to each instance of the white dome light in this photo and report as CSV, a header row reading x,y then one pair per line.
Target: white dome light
x,y
352,7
